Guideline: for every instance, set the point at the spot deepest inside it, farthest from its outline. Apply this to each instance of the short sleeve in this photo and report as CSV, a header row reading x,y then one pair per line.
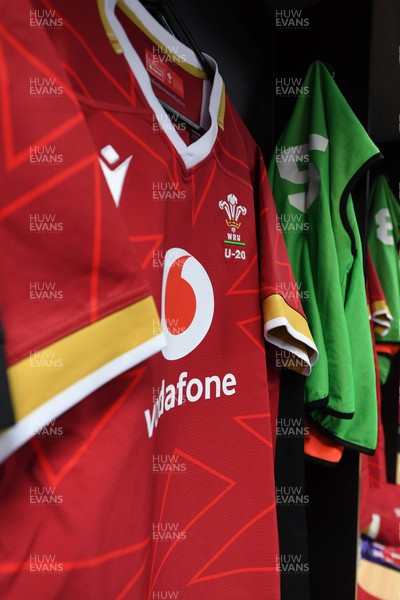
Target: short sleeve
x,y
285,324
76,308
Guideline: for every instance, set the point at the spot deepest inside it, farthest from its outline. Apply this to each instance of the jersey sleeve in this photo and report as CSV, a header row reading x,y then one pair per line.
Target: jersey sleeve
x,y
285,324
76,309
378,308
320,448
384,244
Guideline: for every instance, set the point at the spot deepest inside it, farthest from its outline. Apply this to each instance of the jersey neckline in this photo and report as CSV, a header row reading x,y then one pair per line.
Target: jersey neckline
x,y
197,151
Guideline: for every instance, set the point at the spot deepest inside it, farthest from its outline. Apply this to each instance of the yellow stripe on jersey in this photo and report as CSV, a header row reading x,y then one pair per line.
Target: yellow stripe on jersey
x,y
221,109
380,307
37,379
110,34
381,330
381,317
288,330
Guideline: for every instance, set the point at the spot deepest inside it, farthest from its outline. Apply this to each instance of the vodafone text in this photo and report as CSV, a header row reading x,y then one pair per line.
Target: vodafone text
x,y
195,389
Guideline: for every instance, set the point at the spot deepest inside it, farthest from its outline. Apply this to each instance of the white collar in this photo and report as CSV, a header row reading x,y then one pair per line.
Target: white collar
x,y
197,151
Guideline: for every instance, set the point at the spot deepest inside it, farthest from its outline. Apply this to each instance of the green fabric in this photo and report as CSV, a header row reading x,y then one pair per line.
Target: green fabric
x,y
321,149
384,244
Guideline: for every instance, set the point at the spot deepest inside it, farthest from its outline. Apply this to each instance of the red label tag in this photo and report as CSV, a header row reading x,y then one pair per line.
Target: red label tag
x,y
158,66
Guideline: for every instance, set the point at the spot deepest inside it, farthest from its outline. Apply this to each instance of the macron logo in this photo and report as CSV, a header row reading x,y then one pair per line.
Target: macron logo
x,y
115,177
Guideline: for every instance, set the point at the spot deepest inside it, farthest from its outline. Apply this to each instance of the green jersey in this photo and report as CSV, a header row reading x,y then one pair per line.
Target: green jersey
x,y
320,153
384,245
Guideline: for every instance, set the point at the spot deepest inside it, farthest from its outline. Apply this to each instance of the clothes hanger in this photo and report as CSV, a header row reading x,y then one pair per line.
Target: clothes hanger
x,y
168,17
172,20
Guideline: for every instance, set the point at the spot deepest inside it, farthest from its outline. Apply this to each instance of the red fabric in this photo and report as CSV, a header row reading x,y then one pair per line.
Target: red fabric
x,y
154,489
390,349
90,260
375,291
377,462
318,446
373,468
384,501
273,391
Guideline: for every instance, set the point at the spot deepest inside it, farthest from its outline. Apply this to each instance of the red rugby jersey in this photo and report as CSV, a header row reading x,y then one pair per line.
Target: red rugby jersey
x,y
160,483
